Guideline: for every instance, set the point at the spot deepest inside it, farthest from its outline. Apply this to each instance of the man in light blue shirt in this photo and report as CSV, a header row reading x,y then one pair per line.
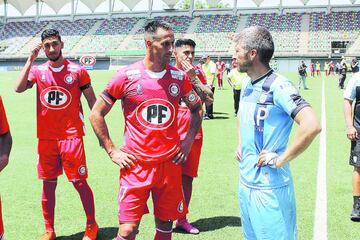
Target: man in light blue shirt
x,y
268,107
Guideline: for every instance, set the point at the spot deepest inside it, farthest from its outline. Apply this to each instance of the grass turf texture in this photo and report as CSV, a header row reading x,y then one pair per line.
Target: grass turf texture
x,y
214,207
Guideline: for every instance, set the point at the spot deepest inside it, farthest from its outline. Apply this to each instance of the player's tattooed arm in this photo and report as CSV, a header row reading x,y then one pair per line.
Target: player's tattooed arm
x,y
202,91
97,120
22,82
205,94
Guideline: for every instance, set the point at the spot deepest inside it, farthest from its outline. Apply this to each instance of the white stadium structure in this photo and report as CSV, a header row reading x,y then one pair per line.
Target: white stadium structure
x,y
113,29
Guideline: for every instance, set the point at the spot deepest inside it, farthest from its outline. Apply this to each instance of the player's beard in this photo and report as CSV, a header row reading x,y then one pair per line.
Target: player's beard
x,y
245,65
56,58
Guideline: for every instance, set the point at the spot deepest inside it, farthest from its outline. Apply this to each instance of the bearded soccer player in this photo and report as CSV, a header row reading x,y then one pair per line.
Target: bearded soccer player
x,y
5,147
184,56
269,105
151,156
60,126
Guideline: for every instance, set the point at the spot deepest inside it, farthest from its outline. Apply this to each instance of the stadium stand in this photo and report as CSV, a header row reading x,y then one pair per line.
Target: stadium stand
x,y
295,34
324,28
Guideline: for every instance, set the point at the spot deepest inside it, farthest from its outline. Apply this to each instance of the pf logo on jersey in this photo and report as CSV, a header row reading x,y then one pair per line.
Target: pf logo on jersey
x,y
55,97
155,114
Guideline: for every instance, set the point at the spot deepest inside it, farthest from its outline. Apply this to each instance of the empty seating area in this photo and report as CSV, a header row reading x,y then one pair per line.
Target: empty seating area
x,y
21,29
217,23
275,22
116,26
212,33
336,26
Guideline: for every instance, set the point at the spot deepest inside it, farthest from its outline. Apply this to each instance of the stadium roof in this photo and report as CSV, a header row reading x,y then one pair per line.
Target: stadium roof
x,y
56,5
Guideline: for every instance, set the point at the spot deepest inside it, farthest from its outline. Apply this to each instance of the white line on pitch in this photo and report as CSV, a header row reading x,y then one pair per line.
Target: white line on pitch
x,y
320,221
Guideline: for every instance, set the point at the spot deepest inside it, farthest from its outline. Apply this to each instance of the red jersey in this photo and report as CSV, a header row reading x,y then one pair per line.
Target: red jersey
x,y
150,108
184,112
4,125
59,110
220,66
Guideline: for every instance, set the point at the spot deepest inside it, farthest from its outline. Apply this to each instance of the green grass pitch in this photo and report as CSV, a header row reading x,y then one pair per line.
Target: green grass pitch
x,y
214,207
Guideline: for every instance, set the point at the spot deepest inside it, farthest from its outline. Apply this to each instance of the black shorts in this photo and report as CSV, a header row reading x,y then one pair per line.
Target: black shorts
x,y
354,159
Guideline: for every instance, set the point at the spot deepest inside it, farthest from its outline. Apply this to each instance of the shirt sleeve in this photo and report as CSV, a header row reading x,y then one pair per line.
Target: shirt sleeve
x,y
115,89
350,90
85,79
287,97
4,125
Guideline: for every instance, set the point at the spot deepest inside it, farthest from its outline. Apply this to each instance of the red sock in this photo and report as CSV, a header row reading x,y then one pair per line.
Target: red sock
x,y
48,204
162,235
87,199
187,190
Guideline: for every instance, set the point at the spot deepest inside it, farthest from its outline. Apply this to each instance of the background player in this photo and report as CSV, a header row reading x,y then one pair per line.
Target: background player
x,y
151,157
235,79
60,84
184,56
209,68
5,147
220,69
265,175
352,120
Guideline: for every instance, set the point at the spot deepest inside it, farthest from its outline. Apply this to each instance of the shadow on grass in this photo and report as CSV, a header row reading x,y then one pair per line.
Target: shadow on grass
x,y
214,223
107,233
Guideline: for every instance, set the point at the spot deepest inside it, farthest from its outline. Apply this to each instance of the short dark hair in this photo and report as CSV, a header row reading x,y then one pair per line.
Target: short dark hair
x,y
185,42
152,26
259,38
48,33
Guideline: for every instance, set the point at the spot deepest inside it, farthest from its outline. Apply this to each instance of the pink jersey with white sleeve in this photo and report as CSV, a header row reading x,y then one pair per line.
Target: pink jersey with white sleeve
x,y
150,108
59,110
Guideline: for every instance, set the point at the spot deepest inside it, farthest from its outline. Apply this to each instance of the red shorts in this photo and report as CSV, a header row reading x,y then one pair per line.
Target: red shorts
x,y
191,166
163,180
1,223
54,155
219,76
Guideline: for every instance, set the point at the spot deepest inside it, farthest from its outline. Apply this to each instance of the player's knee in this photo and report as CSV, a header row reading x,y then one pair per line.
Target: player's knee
x,y
128,230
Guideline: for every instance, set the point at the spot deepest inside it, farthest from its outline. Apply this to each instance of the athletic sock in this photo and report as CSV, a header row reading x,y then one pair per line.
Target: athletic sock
x,y
87,200
48,204
162,235
356,200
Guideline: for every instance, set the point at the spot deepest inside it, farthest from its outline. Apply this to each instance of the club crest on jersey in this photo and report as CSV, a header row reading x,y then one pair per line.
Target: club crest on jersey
x,y
139,89
82,170
262,98
133,74
55,97
174,89
177,75
69,79
156,114
191,97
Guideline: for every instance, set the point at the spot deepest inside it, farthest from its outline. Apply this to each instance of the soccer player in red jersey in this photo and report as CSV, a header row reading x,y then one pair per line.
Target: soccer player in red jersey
x,y
5,147
184,56
151,156
60,126
220,69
